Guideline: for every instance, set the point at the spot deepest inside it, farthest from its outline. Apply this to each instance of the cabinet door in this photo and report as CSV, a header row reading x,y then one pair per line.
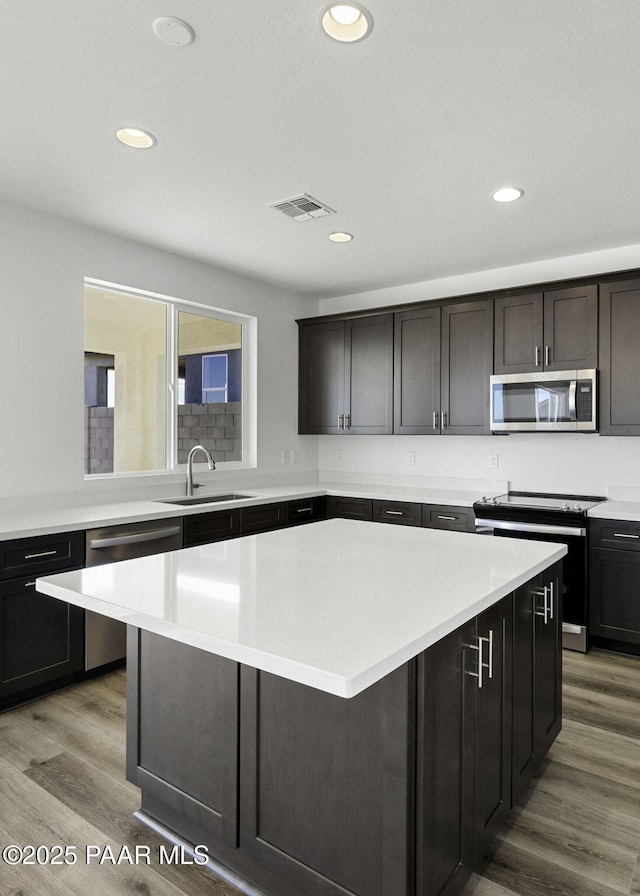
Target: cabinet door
x,y
262,518
369,375
445,764
493,723
614,595
619,358
184,759
204,528
518,334
467,364
41,640
321,377
416,403
325,784
537,675
349,508
571,328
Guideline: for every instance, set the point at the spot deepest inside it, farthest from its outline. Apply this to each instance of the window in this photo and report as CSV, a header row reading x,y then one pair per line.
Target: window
x,y
161,376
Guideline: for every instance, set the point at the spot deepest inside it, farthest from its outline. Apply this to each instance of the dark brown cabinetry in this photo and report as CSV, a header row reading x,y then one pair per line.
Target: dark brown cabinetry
x,y
537,674
614,583
349,508
41,638
403,513
346,376
306,510
443,360
204,528
620,358
262,518
441,516
554,330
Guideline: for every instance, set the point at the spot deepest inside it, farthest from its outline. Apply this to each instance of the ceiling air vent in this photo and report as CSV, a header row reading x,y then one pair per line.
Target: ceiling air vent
x,y
302,208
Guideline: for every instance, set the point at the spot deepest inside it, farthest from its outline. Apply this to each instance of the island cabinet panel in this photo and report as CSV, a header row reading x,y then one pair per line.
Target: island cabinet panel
x,y
537,674
326,783
184,759
446,690
492,792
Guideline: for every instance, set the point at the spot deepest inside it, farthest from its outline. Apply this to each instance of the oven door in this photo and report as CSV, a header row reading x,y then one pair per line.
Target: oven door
x,y
574,570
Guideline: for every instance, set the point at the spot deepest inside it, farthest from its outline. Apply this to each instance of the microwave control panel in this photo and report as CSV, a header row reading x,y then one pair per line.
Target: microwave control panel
x,y
584,401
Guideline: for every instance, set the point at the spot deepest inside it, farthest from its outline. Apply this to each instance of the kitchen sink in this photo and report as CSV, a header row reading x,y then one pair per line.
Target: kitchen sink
x,y
205,499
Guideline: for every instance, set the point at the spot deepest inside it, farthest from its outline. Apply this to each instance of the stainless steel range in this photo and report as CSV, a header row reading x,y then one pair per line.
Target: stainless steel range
x,y
549,517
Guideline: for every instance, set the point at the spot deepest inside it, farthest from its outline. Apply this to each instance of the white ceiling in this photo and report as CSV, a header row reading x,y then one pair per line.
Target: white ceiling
x,y
405,134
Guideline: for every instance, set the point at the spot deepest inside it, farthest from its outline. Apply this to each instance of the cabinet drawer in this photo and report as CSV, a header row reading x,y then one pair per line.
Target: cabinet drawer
x,y
403,513
350,508
622,535
46,553
262,518
306,510
203,528
439,516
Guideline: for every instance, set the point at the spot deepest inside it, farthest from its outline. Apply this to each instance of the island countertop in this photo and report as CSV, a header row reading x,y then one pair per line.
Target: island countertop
x,y
335,605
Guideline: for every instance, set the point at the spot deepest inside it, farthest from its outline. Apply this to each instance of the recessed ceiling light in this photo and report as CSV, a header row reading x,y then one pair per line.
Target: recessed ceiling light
x,y
173,31
136,138
346,22
507,194
340,237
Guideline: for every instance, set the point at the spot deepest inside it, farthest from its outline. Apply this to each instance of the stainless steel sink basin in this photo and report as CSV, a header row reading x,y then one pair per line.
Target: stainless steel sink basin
x,y
205,499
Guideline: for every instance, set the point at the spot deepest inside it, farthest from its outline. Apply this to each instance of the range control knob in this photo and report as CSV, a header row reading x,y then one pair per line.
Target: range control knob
x,y
483,500
566,507
577,508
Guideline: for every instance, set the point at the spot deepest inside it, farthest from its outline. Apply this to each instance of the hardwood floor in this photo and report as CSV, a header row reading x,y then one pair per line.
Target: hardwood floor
x,y
577,833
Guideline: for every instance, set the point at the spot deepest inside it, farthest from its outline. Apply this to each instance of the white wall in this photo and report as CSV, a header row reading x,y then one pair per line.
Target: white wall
x,y
44,263
538,462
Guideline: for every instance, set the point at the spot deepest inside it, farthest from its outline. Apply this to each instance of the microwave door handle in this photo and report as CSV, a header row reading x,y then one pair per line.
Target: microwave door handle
x,y
573,385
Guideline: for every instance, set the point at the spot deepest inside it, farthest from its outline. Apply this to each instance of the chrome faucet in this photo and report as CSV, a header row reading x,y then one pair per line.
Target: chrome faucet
x,y
210,461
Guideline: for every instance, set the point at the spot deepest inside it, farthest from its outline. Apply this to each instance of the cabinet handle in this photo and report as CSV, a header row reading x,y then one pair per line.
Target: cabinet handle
x,y
347,421
537,356
481,663
478,674
452,518
542,592
443,419
435,420
340,421
547,355
551,595
30,584
624,535
304,509
41,554
490,663
394,512
96,544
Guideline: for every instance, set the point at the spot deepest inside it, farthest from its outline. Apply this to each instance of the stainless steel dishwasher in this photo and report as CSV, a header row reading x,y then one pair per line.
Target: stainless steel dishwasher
x,y
105,639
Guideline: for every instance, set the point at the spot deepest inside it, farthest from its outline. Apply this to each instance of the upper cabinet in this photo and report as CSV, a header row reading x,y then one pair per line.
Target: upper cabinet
x,y
346,376
443,359
620,358
554,330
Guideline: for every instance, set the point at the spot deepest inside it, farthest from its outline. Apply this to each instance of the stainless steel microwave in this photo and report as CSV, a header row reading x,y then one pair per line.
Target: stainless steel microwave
x,y
558,401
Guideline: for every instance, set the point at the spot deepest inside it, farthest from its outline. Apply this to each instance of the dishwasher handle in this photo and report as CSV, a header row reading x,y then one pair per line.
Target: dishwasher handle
x,y
134,538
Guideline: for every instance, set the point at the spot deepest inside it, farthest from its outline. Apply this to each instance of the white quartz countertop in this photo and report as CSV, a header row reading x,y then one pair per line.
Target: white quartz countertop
x,y
616,510
19,521
335,605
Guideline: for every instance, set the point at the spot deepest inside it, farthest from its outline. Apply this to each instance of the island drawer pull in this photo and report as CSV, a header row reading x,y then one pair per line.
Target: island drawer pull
x,y
543,592
452,518
41,554
624,535
481,662
135,538
550,600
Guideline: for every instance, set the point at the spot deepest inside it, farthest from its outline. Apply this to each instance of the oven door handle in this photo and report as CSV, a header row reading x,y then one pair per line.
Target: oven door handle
x,y
540,528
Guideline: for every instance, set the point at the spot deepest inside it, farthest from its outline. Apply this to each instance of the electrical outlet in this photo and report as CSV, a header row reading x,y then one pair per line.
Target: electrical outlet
x,y
411,457
493,461
284,458
294,457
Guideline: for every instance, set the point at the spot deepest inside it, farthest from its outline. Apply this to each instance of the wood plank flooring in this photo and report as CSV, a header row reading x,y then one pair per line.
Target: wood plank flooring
x,y
577,833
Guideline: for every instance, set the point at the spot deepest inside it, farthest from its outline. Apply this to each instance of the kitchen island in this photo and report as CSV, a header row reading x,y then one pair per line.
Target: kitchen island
x,y
336,708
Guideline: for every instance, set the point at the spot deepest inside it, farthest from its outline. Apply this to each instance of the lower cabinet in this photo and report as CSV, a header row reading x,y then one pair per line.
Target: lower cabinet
x,y
394,792
41,638
441,516
537,674
349,508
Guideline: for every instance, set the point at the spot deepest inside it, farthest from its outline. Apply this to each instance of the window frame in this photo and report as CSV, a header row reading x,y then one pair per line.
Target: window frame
x,y
248,401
